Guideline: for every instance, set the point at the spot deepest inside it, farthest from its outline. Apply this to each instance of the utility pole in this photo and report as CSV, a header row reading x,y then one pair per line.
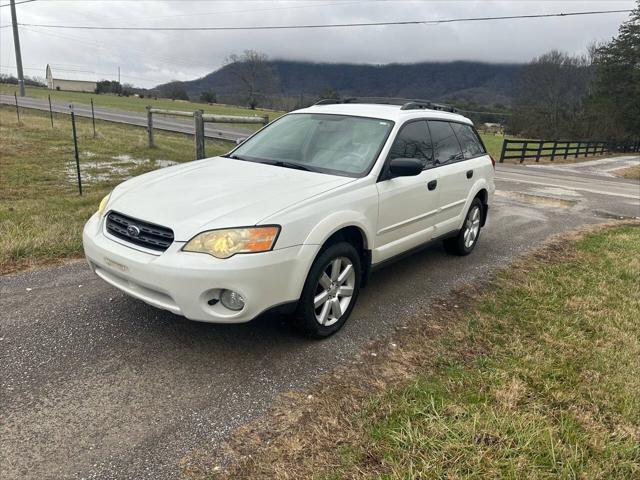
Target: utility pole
x,y
118,74
16,43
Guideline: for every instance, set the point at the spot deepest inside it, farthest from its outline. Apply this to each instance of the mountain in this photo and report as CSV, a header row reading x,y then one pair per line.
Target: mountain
x,y
461,81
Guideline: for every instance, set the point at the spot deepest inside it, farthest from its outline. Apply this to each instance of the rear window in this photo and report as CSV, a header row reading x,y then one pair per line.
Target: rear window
x,y
445,143
469,141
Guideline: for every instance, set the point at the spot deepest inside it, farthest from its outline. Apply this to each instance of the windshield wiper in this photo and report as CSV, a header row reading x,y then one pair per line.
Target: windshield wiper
x,y
297,166
277,163
239,157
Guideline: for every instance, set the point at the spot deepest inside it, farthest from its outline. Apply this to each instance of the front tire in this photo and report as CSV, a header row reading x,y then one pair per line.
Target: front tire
x,y
465,241
330,291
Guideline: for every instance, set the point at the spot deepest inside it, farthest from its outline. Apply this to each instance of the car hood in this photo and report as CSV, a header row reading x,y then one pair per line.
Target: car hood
x,y
216,193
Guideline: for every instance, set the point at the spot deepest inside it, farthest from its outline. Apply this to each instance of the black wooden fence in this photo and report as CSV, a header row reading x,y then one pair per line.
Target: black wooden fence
x,y
537,149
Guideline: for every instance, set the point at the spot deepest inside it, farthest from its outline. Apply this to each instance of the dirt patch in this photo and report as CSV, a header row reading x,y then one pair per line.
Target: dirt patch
x,y
538,199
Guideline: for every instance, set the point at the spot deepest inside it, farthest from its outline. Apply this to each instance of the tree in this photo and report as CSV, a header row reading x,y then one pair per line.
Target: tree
x,y
550,96
616,90
108,86
208,96
254,75
174,90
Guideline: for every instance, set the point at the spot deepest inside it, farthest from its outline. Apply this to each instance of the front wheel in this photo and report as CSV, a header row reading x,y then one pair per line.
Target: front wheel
x,y
467,237
330,291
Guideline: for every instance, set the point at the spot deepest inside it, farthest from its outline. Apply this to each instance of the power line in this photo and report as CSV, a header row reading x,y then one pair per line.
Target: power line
x,y
17,3
145,55
327,25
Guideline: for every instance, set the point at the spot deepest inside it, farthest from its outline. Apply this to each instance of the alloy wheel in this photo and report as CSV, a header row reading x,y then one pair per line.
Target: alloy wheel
x,y
472,227
334,291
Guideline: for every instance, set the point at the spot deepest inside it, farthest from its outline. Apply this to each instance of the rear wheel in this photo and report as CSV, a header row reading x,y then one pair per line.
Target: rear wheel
x,y
330,291
467,237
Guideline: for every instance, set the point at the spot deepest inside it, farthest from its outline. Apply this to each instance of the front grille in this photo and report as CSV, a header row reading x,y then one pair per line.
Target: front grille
x,y
139,232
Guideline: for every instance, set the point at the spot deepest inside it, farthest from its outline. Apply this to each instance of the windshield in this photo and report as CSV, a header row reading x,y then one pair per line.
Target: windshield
x,y
335,144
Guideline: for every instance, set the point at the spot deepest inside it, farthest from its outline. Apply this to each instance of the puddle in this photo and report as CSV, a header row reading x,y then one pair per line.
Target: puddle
x,y
118,167
538,199
557,191
165,163
614,216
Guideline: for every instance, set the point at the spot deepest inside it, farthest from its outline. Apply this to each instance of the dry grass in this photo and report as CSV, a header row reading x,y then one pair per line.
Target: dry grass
x,y
630,172
536,376
41,213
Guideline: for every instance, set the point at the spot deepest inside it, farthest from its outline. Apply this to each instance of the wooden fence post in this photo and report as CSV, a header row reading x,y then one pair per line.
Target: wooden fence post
x,y
577,150
150,126
553,152
199,131
504,149
523,152
539,151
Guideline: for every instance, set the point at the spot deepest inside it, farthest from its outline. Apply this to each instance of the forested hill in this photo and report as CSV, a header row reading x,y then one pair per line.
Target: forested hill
x,y
474,82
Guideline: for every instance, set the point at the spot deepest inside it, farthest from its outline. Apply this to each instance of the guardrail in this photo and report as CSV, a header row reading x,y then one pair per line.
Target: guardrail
x,y
200,118
537,149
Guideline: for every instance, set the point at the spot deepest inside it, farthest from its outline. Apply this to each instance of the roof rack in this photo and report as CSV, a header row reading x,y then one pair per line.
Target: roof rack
x,y
404,103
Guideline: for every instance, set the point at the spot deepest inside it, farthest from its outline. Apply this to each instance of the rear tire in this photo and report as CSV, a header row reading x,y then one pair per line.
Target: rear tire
x,y
330,291
465,241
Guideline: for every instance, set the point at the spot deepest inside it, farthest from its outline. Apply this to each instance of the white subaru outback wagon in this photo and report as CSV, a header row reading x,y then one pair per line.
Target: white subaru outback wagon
x,y
295,217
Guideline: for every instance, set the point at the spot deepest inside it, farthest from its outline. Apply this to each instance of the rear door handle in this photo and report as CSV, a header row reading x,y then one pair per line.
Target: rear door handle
x,y
469,173
432,184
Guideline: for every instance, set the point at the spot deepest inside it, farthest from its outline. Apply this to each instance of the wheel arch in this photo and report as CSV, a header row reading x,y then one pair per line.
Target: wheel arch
x,y
348,227
483,196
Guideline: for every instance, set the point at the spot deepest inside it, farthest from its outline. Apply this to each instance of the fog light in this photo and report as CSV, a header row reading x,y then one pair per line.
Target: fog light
x,y
232,300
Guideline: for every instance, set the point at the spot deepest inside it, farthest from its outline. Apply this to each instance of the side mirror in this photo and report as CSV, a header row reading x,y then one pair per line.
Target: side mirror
x,y
405,167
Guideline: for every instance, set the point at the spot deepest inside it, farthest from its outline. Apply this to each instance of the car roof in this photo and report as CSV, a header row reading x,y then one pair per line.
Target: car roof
x,y
383,111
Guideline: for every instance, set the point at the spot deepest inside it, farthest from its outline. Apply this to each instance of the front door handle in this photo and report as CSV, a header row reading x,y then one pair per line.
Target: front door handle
x,y
469,173
432,184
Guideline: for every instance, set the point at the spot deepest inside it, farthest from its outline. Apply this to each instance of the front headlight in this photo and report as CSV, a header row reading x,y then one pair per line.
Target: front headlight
x,y
103,204
226,243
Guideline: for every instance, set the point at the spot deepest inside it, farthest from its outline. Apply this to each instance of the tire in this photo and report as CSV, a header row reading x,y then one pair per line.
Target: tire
x,y
317,313
464,243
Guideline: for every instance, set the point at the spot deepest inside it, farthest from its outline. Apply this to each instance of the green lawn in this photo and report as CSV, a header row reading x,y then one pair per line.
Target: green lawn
x,y
135,104
536,378
41,213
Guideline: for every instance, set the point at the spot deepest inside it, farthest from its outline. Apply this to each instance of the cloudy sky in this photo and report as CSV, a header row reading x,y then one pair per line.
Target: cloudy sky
x,y
147,58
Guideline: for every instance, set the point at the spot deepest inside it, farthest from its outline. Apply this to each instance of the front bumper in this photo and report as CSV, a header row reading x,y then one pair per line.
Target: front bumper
x,y
185,282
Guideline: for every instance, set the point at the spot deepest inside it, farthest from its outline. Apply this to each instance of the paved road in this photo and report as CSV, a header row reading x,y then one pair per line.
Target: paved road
x,y
160,122
98,385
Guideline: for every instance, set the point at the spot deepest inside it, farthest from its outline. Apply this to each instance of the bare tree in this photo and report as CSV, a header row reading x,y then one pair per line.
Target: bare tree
x,y
254,74
550,96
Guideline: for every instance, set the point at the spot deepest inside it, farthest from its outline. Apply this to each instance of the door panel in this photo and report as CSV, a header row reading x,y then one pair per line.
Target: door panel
x,y
454,194
407,213
407,206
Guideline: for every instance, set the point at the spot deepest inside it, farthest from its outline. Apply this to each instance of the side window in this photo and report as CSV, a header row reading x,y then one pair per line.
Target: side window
x,y
413,142
471,145
445,144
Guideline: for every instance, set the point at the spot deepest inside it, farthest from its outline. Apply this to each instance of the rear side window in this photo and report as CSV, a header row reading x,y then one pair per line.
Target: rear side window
x,y
445,143
413,141
469,141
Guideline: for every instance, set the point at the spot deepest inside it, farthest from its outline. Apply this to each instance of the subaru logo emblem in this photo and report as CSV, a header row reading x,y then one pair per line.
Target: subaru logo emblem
x,y
133,231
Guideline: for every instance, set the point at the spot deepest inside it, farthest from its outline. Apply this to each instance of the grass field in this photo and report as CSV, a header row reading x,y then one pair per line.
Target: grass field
x,y
536,376
134,104
41,213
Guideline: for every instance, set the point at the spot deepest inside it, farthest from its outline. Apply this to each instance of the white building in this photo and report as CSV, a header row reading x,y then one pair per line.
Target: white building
x,y
68,84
